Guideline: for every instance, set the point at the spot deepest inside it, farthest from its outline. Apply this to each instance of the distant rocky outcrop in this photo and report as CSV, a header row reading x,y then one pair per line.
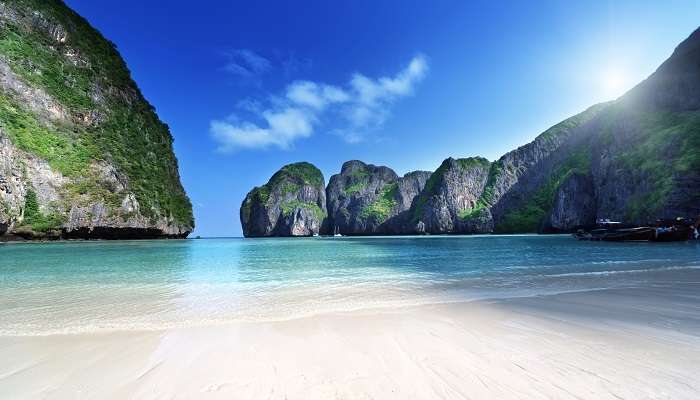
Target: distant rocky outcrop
x,y
291,203
408,188
82,153
365,199
361,198
448,203
635,159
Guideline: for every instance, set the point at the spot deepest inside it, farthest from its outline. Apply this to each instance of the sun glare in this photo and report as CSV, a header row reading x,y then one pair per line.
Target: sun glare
x,y
614,83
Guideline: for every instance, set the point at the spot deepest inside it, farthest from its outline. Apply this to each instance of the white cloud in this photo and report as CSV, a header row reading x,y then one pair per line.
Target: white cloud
x,y
360,108
283,127
314,95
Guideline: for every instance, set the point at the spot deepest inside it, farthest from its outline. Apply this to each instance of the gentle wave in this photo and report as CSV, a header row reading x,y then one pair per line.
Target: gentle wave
x,y
625,271
73,288
621,262
288,315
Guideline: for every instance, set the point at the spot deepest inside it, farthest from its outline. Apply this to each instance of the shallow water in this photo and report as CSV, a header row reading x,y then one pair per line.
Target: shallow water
x,y
71,287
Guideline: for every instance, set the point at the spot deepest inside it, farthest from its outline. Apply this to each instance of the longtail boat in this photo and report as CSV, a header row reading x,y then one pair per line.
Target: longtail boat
x,y
679,229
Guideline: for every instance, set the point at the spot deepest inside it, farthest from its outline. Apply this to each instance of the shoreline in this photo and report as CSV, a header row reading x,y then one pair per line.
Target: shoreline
x,y
630,343
349,312
8,239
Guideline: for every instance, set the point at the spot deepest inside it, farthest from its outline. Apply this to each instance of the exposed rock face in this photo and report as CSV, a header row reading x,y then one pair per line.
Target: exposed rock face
x,y
361,198
450,196
574,205
408,188
365,199
291,203
82,153
522,183
634,159
646,156
640,155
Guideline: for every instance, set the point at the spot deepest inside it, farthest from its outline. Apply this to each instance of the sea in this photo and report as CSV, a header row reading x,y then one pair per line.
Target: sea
x,y
104,286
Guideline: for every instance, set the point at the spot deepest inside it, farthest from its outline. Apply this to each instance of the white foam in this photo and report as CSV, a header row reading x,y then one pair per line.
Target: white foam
x,y
627,271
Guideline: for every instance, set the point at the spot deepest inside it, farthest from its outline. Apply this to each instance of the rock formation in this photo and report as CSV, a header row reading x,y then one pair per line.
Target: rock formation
x,y
634,159
291,203
365,199
82,153
450,197
408,188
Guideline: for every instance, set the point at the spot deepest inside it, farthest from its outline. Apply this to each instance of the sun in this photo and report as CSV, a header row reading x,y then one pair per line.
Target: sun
x,y
614,82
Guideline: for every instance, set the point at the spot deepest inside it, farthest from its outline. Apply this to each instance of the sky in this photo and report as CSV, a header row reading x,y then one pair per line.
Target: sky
x,y
249,86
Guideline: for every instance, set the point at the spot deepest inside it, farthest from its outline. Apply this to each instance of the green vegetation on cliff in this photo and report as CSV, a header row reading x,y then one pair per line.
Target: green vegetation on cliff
x,y
530,215
361,178
430,189
472,212
34,218
259,195
667,145
433,184
289,207
289,188
355,188
570,123
52,48
380,209
486,198
288,180
303,171
473,162
68,154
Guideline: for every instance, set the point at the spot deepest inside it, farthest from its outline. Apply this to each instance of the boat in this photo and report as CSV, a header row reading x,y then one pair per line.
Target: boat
x,y
674,231
677,230
635,234
336,233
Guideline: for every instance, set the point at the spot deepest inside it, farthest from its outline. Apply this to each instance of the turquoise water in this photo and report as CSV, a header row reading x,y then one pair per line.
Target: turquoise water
x,y
70,287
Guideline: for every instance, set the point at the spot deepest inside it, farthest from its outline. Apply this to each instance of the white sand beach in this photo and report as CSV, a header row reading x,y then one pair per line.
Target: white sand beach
x,y
612,344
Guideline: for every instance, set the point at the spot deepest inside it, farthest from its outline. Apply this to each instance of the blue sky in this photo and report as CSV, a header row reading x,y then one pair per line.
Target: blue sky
x,y
247,86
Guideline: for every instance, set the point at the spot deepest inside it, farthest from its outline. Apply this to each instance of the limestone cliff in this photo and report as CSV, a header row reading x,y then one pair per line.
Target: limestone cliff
x,y
448,203
635,159
365,199
291,203
82,153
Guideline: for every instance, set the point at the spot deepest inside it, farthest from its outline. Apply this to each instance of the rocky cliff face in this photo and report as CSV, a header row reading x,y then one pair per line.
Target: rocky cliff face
x,y
573,206
365,199
82,153
361,198
646,156
408,188
634,159
522,183
448,203
291,203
